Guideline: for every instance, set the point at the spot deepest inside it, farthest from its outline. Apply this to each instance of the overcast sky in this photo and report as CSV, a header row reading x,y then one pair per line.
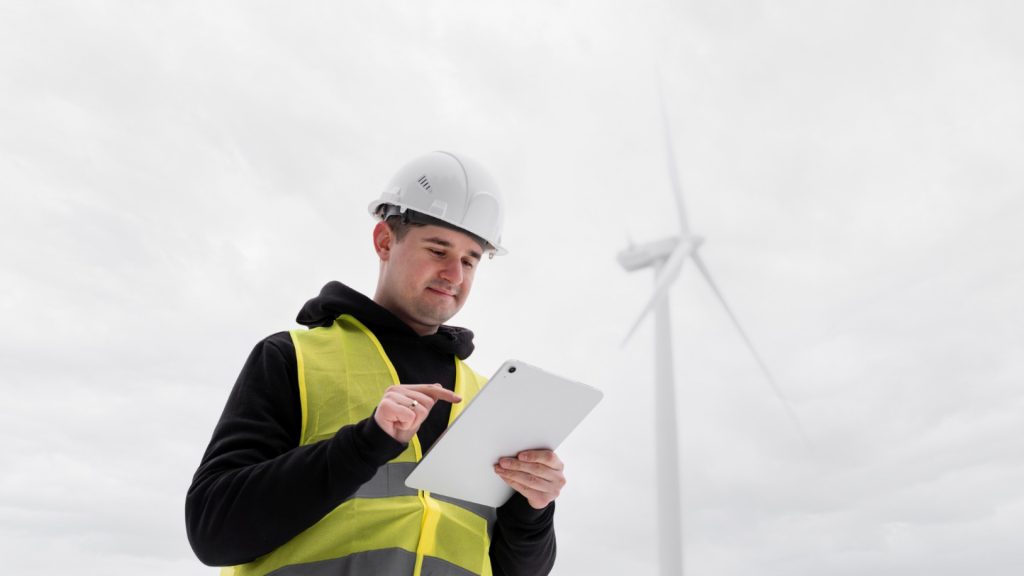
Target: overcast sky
x,y
177,179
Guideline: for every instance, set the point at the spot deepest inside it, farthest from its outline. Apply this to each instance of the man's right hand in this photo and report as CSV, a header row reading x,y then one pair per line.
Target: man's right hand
x,y
404,408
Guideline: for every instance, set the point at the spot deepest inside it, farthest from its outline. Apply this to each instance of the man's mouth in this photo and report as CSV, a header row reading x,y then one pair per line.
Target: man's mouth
x,y
442,291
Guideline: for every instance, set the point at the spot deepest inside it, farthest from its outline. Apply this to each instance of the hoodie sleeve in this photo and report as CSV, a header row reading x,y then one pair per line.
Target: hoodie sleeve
x,y
523,543
256,488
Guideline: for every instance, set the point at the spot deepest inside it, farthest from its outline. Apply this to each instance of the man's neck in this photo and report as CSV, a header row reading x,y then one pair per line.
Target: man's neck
x,y
417,327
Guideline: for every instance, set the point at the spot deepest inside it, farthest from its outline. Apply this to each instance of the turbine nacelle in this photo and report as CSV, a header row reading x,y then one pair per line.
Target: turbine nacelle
x,y
655,253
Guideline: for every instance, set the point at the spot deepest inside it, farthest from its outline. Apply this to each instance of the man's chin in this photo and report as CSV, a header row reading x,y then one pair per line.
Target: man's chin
x,y
438,316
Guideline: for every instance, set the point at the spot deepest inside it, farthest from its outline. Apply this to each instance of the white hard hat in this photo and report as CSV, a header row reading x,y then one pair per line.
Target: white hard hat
x,y
453,189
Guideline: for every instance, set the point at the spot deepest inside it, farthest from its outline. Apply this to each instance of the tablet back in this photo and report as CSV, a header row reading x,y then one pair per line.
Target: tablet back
x,y
521,407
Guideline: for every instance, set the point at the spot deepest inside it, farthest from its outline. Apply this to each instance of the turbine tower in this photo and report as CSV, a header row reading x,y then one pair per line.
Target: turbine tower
x,y
667,256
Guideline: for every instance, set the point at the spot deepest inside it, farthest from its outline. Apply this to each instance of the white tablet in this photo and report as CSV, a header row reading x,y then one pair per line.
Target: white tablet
x,y
521,408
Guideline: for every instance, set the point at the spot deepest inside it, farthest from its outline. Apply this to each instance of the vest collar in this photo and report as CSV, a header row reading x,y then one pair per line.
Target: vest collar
x,y
336,299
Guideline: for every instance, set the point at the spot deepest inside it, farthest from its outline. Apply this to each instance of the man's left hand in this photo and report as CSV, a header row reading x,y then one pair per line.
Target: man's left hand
x,y
536,474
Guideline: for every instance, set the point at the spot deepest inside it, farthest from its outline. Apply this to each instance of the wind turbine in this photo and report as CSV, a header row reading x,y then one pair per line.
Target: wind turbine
x,y
667,256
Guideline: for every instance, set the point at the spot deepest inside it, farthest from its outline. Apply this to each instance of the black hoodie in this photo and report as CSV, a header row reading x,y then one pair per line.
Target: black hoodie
x,y
256,488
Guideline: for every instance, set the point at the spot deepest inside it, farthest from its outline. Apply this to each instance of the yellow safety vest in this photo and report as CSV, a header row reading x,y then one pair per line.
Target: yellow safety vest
x,y
385,528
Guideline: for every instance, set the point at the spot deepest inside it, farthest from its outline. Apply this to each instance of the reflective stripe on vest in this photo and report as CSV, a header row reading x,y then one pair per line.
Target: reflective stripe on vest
x,y
385,527
375,562
390,481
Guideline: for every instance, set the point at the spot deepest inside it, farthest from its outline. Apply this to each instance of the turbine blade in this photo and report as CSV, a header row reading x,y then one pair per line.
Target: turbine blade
x,y
699,263
670,163
667,274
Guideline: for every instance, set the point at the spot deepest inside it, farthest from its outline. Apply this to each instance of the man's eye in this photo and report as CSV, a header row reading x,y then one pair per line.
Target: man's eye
x,y
467,263
436,252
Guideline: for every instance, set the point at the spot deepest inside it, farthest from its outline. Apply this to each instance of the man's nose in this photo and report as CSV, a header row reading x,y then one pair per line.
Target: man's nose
x,y
452,272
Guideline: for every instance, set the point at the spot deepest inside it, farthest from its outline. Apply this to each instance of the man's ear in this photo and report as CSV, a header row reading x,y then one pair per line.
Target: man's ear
x,y
383,239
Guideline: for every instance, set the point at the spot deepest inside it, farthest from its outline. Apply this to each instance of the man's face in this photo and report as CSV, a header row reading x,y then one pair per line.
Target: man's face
x,y
425,279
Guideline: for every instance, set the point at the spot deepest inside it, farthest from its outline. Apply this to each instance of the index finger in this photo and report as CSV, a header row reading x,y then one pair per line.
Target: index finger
x,y
546,457
435,391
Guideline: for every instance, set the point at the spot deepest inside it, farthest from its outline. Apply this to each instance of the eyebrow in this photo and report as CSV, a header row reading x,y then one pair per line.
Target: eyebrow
x,y
442,242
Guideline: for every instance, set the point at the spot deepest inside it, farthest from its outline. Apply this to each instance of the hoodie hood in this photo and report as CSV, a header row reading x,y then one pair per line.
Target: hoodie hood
x,y
336,299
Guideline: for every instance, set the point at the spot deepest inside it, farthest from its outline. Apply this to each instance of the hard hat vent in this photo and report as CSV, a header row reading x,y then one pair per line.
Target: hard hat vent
x,y
425,183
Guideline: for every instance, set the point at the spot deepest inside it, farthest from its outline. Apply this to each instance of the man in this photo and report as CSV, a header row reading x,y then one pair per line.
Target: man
x,y
305,471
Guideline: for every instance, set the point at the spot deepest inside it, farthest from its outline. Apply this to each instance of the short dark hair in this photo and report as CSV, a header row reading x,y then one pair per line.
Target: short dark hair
x,y
400,226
